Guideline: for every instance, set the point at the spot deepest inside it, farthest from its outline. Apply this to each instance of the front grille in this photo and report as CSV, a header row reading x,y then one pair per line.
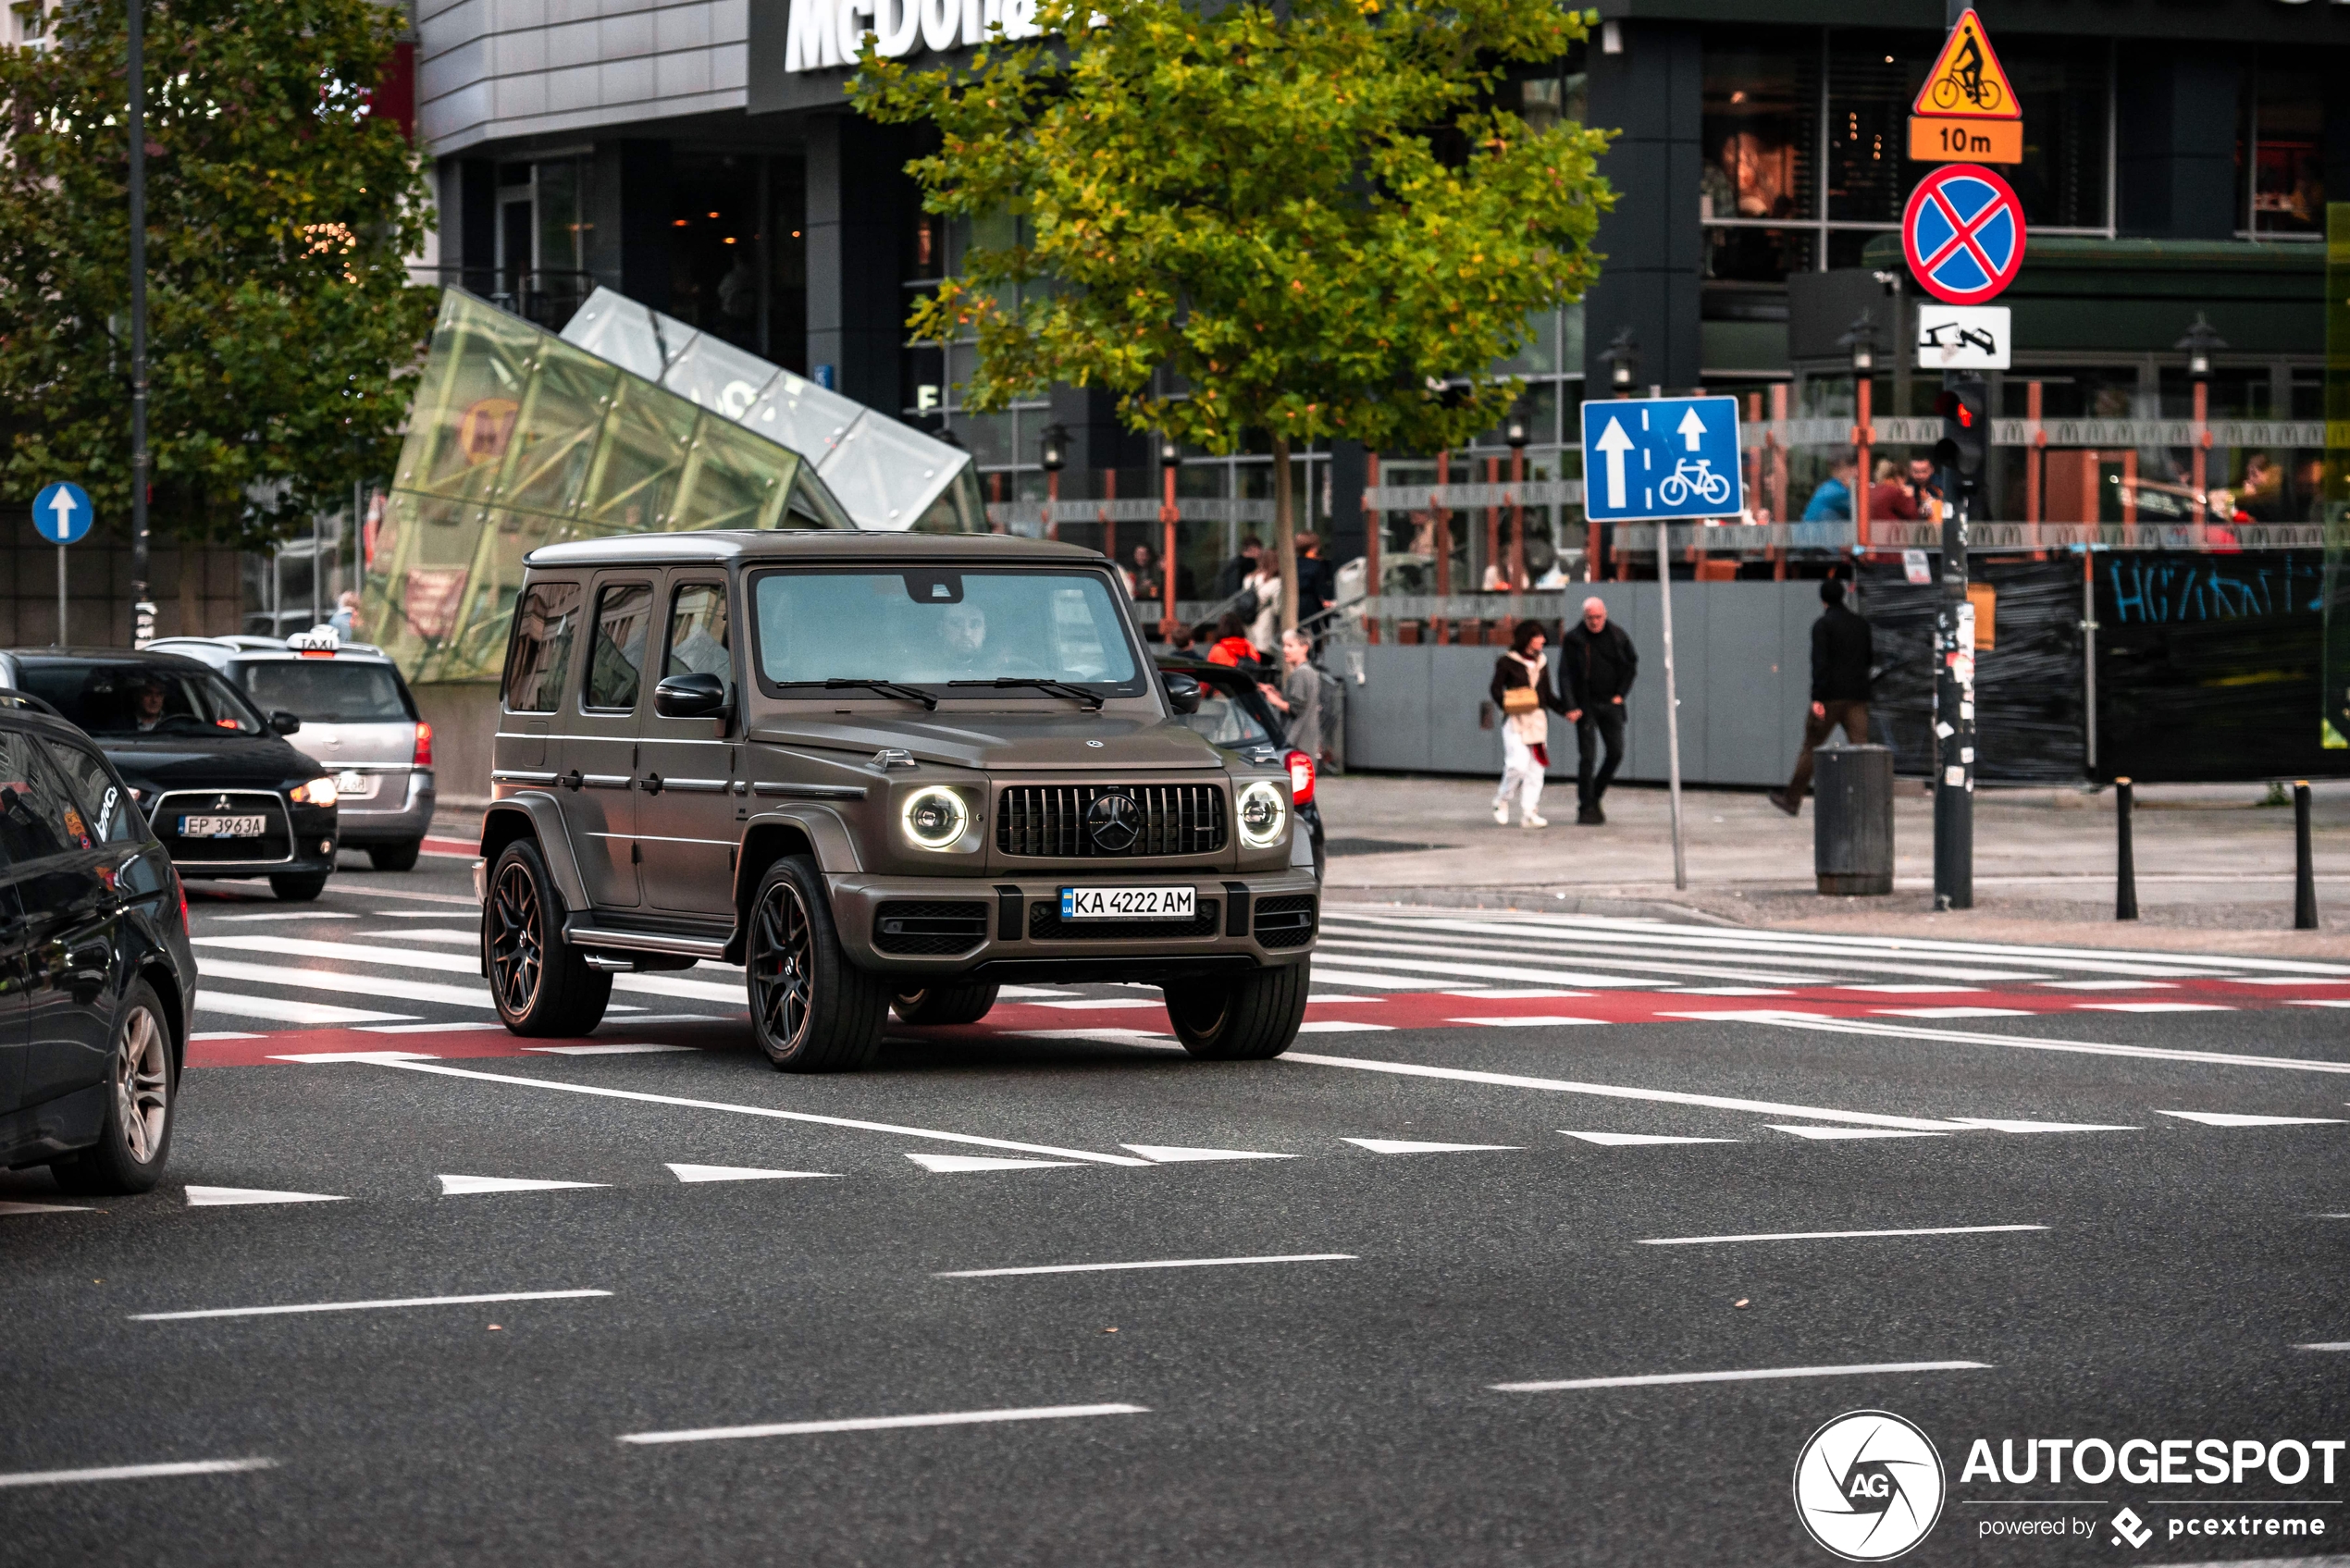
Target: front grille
x,y
1045,925
1286,920
918,928
1049,819
275,845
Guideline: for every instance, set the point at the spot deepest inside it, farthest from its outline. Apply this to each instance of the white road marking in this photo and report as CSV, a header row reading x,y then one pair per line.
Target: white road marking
x,y
2154,1007
229,1197
403,990
1823,1134
1729,962
1352,1000
10,1208
2028,1042
2108,986
376,1058
1522,994
1611,1090
465,1026
1528,1021
136,1472
2328,1345
429,934
2002,1124
1413,1146
1758,1374
1833,1235
1730,991
365,1307
424,898
346,952
1371,981
671,985
2231,1119
950,1163
1173,1154
225,1034
1107,1002
2318,1002
1953,1012
740,1173
1161,1263
280,1009
410,1065
305,916
458,1186
883,1423
1635,1140
1108,1035
1028,993
1383,959
1339,1026
1907,990
618,1048
2283,979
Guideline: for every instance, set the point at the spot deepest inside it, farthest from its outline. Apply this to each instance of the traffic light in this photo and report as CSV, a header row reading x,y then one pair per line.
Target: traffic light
x,y
1966,427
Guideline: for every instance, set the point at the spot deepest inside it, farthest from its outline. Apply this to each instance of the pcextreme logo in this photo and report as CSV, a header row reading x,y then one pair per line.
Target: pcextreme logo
x,y
1868,1485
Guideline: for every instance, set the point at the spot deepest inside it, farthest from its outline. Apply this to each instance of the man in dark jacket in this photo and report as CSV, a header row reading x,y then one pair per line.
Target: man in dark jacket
x,y
1842,651
1596,667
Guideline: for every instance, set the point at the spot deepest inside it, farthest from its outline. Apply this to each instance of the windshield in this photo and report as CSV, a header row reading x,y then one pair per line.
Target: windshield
x,y
326,691
1223,720
128,697
930,627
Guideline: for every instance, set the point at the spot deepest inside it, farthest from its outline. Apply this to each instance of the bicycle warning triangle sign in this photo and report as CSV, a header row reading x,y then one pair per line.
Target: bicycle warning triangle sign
x,y
1967,81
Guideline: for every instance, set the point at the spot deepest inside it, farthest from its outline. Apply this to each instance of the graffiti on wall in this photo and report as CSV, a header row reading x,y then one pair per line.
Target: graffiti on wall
x,y
2188,590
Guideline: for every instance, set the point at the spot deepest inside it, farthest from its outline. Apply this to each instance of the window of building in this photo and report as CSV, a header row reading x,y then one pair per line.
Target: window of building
x,y
2281,186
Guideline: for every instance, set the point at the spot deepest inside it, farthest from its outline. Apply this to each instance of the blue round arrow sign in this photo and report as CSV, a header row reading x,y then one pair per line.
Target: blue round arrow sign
x,y
1962,234
62,513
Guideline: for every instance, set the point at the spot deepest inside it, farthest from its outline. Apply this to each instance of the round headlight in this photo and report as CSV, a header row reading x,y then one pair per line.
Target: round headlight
x,y
936,818
1263,815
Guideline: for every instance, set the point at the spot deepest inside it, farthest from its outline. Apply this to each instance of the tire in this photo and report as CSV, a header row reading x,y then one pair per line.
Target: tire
x,y
1946,92
1253,1019
141,1096
400,857
298,887
542,985
811,1008
945,1004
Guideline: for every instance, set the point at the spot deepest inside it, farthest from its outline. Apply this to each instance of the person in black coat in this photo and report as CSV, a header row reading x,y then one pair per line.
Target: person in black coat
x,y
1596,669
1842,651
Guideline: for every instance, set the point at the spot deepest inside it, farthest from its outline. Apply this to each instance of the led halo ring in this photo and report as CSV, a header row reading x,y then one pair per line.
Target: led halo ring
x,y
1264,799
934,816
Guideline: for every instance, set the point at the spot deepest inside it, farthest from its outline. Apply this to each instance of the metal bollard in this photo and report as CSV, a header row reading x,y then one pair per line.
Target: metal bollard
x,y
2125,860
2304,868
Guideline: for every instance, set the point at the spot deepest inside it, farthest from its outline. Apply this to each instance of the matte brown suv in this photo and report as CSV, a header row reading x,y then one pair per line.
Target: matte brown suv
x,y
878,770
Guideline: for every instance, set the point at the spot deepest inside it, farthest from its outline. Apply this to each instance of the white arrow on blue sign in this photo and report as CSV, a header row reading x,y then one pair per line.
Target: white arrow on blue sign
x,y
62,513
1646,458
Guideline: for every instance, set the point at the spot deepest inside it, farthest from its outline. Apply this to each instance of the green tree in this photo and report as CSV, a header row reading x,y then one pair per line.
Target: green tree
x,y
282,321
1306,221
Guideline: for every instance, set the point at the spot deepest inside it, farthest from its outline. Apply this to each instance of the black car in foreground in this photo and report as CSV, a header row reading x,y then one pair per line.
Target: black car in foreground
x,y
1233,713
97,980
226,794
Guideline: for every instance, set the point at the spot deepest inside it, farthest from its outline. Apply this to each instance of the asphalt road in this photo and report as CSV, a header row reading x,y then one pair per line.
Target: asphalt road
x,y
2124,1177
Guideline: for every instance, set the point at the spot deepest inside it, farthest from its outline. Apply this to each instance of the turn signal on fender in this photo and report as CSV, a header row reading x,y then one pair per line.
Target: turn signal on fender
x,y
1301,777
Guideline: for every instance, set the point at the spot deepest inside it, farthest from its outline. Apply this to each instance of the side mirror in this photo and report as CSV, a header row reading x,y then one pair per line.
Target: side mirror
x,y
283,722
1183,693
692,696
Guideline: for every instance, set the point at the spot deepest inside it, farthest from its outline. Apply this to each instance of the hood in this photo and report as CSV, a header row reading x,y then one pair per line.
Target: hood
x,y
1040,742
198,762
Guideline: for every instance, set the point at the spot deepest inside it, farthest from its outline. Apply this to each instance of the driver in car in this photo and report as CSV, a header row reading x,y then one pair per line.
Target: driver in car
x,y
146,705
963,630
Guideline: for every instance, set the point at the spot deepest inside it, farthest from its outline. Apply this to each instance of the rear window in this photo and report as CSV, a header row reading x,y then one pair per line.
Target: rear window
x,y
128,697
326,691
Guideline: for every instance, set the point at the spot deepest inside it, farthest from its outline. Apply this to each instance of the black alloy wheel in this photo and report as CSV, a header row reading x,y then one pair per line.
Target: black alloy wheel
x,y
811,1009
542,985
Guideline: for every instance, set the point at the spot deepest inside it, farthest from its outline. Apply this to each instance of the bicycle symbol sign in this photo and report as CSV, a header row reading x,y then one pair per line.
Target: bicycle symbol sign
x,y
1963,233
1967,80
1661,458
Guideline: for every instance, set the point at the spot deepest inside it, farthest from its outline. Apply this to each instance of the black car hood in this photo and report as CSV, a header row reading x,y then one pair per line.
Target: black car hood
x,y
182,761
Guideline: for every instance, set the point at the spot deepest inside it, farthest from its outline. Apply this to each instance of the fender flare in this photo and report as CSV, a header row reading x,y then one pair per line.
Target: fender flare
x,y
545,823
836,847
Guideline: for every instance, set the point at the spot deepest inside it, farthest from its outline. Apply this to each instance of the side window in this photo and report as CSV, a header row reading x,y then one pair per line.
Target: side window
x,y
107,808
540,658
698,633
616,662
37,820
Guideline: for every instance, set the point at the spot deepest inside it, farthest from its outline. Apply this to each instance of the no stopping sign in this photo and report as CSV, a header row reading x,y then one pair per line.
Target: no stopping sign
x,y
1962,234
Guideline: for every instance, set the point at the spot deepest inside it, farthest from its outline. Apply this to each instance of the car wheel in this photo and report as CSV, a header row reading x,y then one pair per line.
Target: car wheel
x,y
1250,1018
298,887
141,1092
541,984
945,1004
400,857
812,1010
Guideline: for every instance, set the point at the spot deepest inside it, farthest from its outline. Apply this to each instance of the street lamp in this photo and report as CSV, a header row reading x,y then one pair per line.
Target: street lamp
x,y
1860,338
1623,360
2199,344
1515,433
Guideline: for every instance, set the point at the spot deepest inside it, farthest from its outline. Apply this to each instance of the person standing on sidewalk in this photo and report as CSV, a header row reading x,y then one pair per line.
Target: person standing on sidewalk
x,y
1299,697
1842,651
1522,690
1596,666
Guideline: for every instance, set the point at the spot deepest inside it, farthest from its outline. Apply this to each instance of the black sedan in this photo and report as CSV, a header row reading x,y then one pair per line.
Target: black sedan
x,y
99,979
1234,714
227,795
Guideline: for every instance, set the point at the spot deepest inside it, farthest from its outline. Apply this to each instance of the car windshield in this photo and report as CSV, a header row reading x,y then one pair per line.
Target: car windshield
x,y
326,691
937,628
1224,721
130,697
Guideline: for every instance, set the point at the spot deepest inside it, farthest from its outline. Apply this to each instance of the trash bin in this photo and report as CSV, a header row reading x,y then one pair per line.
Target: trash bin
x,y
1852,821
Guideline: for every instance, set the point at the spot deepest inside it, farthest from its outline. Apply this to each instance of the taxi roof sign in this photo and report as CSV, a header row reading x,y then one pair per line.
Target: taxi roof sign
x,y
1967,80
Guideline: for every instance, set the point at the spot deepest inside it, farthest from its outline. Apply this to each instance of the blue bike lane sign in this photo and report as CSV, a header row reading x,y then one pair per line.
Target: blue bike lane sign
x,y
1650,458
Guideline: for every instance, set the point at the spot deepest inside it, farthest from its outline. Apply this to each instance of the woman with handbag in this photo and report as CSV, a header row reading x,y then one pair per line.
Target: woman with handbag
x,y
1522,690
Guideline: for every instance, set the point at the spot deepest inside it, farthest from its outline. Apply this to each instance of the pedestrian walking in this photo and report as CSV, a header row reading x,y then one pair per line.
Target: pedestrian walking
x,y
1596,667
1299,697
1523,690
1842,651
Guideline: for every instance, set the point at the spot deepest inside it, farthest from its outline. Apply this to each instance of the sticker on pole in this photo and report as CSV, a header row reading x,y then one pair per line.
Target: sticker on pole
x,y
1962,234
62,513
1647,458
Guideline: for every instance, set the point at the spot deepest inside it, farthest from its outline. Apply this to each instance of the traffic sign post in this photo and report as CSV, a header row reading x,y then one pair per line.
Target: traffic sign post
x,y
1966,110
62,515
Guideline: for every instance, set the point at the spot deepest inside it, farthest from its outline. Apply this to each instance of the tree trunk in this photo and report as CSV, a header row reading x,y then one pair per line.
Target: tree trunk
x,y
1285,531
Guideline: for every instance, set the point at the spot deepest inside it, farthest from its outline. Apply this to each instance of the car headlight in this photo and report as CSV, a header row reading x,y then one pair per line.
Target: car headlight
x,y
317,792
936,818
1264,814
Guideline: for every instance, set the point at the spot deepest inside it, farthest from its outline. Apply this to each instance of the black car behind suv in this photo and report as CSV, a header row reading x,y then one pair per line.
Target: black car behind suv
x,y
97,980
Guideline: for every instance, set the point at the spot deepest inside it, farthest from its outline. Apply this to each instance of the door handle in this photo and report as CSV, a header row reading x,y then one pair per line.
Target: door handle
x,y
571,780
652,783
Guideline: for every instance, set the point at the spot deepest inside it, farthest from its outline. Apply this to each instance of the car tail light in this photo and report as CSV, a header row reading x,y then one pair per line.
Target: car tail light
x,y
424,745
1301,777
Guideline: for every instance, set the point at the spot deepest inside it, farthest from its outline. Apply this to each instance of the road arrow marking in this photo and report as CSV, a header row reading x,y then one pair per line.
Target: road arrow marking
x,y
981,1162
1692,428
454,1186
46,1209
1628,1140
2231,1118
1169,1154
1828,1133
223,1197
1406,1146
1613,444
738,1173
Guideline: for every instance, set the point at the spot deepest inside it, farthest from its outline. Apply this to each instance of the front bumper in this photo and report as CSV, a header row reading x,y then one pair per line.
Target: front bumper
x,y
1010,928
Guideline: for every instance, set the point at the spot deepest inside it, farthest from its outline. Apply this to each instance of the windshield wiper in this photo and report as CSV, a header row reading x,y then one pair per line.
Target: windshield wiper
x,y
887,688
1059,688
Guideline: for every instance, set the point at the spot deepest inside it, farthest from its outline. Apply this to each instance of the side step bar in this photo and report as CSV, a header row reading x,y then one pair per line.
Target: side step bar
x,y
645,942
